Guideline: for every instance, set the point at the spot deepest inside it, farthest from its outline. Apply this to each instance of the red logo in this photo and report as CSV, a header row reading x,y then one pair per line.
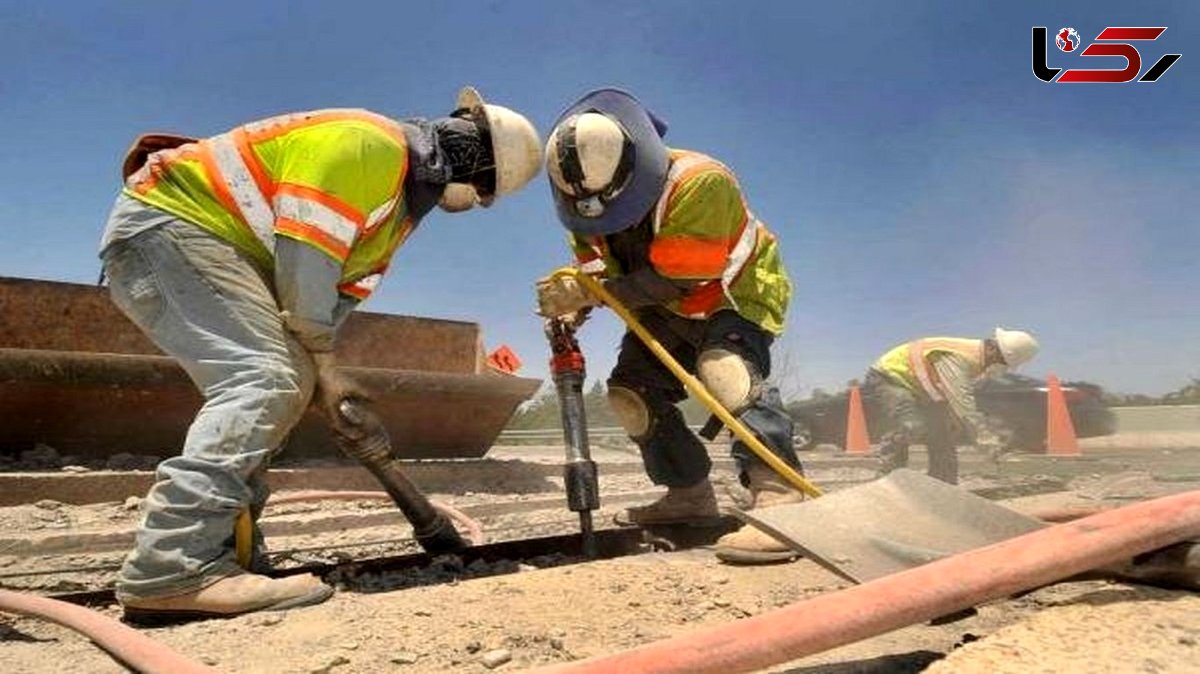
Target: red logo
x,y
1067,39
1112,41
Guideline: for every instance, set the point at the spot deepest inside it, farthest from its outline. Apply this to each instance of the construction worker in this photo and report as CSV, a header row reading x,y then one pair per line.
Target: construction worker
x,y
671,237
926,390
240,255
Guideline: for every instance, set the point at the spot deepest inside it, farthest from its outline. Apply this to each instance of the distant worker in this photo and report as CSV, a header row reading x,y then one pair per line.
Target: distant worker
x,y
240,255
926,390
670,235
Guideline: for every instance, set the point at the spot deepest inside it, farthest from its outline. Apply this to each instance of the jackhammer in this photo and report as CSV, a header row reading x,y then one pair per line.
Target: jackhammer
x,y
579,471
360,434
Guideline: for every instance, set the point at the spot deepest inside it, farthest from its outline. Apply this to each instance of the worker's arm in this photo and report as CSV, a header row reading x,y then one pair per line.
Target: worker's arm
x,y
697,232
321,206
646,287
957,384
306,281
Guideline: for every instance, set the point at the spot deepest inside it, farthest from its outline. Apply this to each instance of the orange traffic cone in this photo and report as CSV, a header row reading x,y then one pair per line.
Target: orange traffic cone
x,y
857,440
1060,432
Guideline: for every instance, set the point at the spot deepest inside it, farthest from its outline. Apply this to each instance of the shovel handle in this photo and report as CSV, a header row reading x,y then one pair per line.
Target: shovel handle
x,y
694,385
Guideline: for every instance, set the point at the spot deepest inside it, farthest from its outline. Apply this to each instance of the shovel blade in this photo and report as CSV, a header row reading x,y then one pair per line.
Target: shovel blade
x,y
895,523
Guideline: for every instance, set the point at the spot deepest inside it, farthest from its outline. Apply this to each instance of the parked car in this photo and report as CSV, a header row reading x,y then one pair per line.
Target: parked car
x,y
1014,404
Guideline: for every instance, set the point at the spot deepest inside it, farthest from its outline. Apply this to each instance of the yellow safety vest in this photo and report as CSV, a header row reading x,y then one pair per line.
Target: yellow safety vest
x,y
333,179
908,364
693,240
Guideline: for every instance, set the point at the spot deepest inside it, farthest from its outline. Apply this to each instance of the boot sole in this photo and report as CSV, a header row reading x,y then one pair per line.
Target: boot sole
x,y
152,617
753,557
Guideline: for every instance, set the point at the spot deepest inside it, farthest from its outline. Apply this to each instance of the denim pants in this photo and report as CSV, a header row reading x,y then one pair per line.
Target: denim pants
x,y
207,305
672,454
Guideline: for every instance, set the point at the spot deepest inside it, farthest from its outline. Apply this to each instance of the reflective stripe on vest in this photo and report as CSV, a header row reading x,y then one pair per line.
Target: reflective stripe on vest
x,y
362,287
921,370
381,213
684,166
926,376
317,217
234,178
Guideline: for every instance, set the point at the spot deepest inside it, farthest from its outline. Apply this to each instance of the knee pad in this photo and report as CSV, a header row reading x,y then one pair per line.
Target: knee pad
x,y
729,379
631,410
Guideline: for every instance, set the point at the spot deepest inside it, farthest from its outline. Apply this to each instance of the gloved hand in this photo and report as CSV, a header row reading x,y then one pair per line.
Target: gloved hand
x,y
332,388
561,295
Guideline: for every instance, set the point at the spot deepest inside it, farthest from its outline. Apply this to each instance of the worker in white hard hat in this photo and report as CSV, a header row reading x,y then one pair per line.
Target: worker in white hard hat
x,y
926,390
240,255
669,234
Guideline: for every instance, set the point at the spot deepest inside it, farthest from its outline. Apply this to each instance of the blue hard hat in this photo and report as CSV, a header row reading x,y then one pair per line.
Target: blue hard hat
x,y
648,169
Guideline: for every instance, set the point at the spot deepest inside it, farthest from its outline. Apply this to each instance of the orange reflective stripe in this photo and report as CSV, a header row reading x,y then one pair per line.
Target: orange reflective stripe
x,y
703,300
157,164
277,126
325,199
313,235
362,287
216,181
689,257
265,185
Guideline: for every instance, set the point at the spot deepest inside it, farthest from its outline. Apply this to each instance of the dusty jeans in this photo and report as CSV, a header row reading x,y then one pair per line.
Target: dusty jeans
x,y
205,304
916,419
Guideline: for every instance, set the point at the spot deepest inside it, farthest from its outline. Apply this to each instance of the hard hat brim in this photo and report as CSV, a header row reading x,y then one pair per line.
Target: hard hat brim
x,y
649,171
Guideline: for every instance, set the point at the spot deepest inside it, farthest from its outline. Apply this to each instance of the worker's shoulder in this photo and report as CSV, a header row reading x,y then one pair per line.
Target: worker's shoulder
x,y
350,121
697,174
693,161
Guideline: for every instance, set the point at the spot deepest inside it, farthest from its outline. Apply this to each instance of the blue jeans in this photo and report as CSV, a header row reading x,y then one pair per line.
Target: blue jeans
x,y
207,305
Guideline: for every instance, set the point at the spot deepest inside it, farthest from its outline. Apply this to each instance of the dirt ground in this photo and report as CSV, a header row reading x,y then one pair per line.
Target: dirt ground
x,y
544,612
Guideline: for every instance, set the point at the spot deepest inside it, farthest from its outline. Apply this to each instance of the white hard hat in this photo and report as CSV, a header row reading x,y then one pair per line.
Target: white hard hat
x,y
515,143
584,153
1017,347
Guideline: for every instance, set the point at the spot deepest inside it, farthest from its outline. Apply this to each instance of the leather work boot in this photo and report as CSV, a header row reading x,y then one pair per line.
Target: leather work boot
x,y
230,596
749,544
695,505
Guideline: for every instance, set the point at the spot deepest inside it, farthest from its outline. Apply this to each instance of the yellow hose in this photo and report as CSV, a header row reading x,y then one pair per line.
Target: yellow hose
x,y
694,385
243,539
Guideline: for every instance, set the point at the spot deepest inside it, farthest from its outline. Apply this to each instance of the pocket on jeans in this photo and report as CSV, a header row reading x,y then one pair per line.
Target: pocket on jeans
x,y
133,287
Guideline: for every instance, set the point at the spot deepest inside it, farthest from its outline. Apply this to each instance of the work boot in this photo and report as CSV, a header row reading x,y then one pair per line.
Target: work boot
x,y
749,544
230,596
696,505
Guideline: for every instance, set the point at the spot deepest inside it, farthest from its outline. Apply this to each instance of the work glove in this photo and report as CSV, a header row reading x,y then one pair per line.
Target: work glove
x,y
571,321
332,389
561,295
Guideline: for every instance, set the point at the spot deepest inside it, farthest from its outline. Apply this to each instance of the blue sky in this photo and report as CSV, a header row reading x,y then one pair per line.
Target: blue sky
x,y
921,180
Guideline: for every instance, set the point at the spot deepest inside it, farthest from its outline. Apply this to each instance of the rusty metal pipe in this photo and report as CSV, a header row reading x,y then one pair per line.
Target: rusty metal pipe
x,y
917,595
132,648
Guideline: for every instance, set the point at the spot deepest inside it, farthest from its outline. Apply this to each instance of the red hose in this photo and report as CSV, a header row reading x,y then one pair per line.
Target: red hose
x,y
130,647
936,589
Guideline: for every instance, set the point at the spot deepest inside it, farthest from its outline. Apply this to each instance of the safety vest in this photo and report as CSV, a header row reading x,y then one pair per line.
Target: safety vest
x,y
908,364
333,179
744,271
